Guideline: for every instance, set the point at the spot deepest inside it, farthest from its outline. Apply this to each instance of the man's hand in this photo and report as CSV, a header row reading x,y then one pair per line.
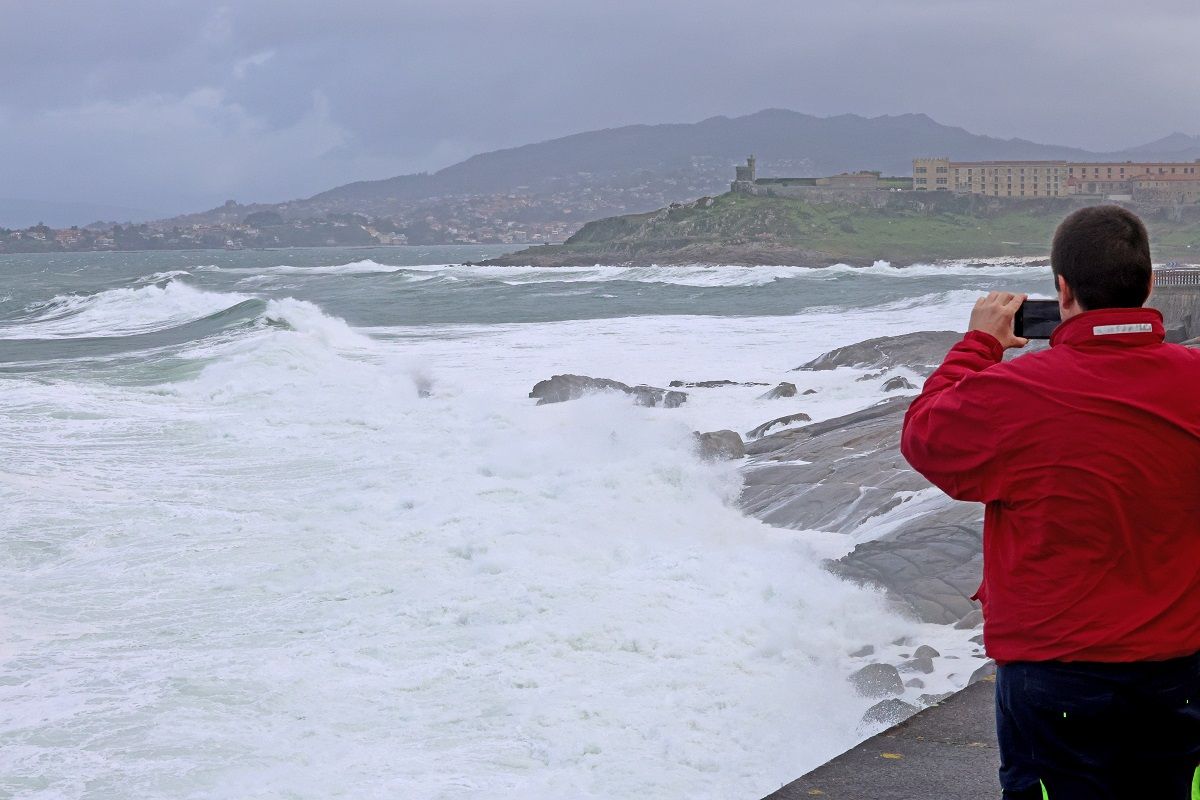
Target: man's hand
x,y
994,314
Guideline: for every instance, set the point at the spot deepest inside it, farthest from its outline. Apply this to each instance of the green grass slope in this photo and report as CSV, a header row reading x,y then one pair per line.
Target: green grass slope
x,y
898,227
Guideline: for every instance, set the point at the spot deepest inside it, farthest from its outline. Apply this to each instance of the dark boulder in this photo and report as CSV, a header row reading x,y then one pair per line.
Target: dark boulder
x,y
761,430
562,388
924,665
888,712
720,445
897,383
973,619
782,390
710,384
877,680
983,673
922,352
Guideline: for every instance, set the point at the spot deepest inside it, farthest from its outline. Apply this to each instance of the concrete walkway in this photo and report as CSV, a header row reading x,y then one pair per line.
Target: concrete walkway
x,y
946,752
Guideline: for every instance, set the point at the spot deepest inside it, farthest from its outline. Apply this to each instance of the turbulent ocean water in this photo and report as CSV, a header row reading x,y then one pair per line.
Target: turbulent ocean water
x,y
286,525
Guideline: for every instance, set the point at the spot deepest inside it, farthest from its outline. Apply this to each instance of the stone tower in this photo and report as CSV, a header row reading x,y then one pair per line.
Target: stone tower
x,y
744,177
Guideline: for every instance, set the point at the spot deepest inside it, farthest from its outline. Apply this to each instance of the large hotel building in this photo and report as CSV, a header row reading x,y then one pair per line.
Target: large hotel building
x,y
1160,180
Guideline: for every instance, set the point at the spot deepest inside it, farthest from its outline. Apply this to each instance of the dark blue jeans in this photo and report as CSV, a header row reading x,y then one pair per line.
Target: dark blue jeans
x,y
1093,731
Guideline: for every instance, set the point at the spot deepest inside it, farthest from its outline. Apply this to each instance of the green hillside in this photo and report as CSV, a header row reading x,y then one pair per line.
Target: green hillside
x,y
898,227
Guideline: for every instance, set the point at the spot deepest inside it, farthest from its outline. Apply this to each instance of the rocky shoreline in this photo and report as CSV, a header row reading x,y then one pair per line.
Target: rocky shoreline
x,y
685,254
845,475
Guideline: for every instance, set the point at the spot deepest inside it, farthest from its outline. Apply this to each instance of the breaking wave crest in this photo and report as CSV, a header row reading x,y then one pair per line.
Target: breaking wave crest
x,y
120,312
701,275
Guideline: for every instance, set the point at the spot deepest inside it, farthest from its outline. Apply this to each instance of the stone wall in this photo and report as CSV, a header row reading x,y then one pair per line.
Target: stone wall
x,y
874,198
1180,307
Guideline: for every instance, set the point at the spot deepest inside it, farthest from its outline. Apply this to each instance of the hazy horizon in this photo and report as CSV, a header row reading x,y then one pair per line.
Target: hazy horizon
x,y
166,110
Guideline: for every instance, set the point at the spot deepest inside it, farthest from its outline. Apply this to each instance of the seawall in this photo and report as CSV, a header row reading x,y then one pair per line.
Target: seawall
x,y
947,751
1180,307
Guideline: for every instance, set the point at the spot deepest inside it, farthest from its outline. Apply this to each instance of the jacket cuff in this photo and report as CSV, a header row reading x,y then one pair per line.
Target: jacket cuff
x,y
990,343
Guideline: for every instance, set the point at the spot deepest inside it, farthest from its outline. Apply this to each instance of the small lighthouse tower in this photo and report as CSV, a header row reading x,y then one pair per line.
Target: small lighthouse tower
x,y
744,176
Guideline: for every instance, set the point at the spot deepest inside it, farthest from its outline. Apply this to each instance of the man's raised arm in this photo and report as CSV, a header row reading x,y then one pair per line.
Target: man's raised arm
x,y
950,433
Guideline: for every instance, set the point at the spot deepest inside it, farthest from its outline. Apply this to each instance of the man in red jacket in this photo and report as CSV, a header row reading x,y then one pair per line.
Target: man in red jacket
x,y
1087,456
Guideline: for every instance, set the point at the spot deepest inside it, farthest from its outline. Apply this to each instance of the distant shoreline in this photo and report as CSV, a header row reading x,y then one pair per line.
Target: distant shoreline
x,y
339,247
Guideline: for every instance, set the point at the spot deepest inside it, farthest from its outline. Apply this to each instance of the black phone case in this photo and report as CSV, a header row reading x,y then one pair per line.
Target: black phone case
x,y
1019,323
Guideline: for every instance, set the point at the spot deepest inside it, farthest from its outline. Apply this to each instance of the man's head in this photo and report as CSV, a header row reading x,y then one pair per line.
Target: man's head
x,y
1102,254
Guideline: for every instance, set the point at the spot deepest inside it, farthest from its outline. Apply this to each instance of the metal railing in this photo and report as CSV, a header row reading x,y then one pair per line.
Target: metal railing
x,y
1172,276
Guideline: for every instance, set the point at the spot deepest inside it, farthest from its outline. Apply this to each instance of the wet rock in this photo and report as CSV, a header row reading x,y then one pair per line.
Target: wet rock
x,y
984,672
925,651
762,430
865,650
924,665
933,699
915,683
1034,346
977,639
809,391
897,383
561,388
709,384
922,352
888,712
870,376
854,471
670,399
932,562
972,619
720,445
877,680
701,384
782,390
837,474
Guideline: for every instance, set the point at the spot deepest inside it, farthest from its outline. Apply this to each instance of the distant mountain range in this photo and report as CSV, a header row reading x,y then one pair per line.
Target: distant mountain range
x,y
546,190
829,144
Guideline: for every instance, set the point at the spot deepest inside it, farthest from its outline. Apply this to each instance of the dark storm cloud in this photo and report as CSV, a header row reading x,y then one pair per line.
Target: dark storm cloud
x,y
178,105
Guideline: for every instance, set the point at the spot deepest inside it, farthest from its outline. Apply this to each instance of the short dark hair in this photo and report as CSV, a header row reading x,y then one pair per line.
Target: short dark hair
x,y
1103,253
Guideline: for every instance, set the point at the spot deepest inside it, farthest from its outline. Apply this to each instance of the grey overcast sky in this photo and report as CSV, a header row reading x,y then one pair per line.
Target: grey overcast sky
x,y
174,105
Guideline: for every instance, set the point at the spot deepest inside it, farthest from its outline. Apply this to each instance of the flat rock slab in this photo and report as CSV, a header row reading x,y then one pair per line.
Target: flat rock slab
x,y
947,751
839,474
921,351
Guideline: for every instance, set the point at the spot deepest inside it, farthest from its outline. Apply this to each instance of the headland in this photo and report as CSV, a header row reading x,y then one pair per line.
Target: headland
x,y
858,218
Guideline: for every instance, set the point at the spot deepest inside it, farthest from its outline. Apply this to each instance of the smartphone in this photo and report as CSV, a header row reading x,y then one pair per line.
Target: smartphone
x,y
1036,319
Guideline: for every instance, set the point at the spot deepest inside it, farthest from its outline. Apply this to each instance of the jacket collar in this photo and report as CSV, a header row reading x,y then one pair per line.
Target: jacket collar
x,y
1121,326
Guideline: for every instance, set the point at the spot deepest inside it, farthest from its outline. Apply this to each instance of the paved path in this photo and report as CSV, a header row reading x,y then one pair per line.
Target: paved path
x,y
946,752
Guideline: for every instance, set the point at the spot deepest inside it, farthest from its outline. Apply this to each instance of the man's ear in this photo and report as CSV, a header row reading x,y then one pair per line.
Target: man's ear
x,y
1065,296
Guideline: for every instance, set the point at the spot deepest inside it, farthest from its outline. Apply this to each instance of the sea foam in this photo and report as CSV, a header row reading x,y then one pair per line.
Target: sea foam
x,y
285,572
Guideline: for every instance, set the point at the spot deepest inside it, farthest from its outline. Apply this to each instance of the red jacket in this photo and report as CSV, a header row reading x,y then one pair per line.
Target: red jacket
x,y
1088,458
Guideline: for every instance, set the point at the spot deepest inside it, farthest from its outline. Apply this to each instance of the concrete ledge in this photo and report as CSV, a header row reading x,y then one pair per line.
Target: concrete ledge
x,y
947,752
